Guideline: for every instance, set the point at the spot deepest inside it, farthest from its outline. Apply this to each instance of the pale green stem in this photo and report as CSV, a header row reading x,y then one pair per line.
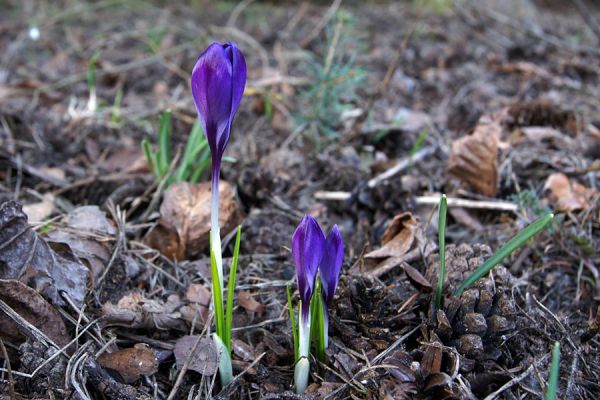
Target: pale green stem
x,y
225,368
302,368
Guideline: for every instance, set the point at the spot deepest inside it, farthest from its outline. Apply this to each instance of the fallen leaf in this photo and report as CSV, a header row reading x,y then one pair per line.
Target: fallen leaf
x,y
474,157
131,363
567,196
542,113
198,293
417,278
135,311
248,302
82,225
398,238
186,210
166,240
30,305
204,359
41,210
47,267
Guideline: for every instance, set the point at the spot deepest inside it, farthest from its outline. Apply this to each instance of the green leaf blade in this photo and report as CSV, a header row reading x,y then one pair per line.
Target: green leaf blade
x,y
513,244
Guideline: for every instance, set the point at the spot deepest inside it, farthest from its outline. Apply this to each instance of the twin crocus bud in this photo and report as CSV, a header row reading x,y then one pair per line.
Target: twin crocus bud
x,y
313,253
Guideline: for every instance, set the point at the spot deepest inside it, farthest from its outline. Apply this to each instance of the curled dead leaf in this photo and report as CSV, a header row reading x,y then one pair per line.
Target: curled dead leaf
x,y
474,157
135,311
567,195
185,210
248,302
30,305
83,225
201,352
50,268
130,364
398,238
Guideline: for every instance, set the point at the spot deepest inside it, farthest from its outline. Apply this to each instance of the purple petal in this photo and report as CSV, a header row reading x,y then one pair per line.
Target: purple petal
x,y
331,264
308,245
218,81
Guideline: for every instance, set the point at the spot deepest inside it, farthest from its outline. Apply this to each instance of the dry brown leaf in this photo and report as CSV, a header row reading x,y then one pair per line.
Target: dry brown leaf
x,y
398,238
186,210
166,240
248,302
474,157
417,278
30,305
135,311
47,267
39,211
204,359
81,222
131,363
198,293
567,196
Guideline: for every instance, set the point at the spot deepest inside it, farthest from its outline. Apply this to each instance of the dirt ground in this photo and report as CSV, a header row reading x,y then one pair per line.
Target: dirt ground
x,y
359,113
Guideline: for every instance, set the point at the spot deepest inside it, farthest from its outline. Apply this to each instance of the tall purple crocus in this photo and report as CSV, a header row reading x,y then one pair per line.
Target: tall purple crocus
x,y
218,81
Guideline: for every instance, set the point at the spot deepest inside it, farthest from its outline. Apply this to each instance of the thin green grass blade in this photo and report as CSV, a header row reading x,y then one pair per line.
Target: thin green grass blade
x,y
164,142
442,250
513,244
320,344
419,142
201,166
150,157
217,295
293,322
554,369
231,289
195,144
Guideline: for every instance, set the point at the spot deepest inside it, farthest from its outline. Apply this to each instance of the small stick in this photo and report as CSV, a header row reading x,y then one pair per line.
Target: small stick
x,y
402,165
321,24
467,203
11,381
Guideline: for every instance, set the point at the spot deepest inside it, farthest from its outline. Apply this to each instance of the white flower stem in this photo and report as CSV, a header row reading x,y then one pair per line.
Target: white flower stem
x,y
302,369
215,230
225,368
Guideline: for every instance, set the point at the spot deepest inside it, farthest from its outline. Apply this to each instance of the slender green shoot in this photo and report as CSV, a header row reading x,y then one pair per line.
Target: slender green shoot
x,y
164,143
231,288
513,244
196,155
293,321
317,322
554,369
217,295
419,142
443,209
150,157
115,116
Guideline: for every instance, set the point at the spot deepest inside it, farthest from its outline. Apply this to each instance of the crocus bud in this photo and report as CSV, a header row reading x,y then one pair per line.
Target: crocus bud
x,y
308,244
331,264
218,82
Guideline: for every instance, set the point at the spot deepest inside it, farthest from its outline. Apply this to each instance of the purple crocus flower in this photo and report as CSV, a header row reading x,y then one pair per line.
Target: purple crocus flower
x,y
308,244
331,264
218,82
